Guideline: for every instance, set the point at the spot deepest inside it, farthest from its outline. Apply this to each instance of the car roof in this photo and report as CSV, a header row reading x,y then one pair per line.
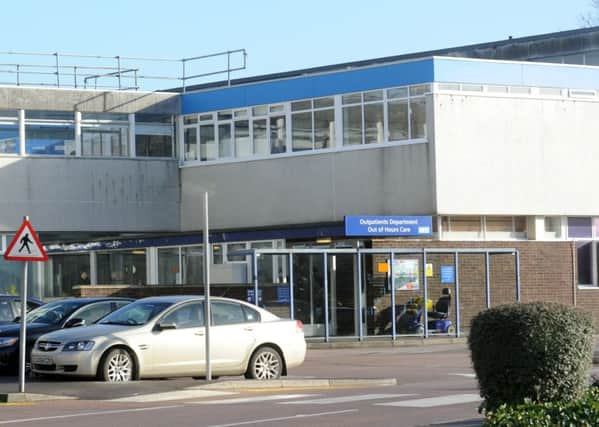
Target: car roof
x,y
89,300
181,298
18,297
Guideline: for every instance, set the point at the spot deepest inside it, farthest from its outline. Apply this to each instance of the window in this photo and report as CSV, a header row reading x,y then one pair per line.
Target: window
x,y
251,315
233,247
312,124
278,142
154,135
580,228
93,312
104,134
461,227
190,137
188,316
224,313
168,266
9,132
122,267
553,227
505,227
192,262
50,133
217,254
208,149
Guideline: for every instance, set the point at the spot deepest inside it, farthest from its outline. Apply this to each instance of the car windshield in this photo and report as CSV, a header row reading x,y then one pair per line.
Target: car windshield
x,y
53,313
136,314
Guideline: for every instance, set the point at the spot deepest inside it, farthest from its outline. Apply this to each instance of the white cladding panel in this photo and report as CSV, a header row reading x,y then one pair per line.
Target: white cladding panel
x,y
313,188
69,194
516,156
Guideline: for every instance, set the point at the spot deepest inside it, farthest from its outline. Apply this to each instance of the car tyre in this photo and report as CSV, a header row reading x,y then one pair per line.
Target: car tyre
x,y
117,366
266,364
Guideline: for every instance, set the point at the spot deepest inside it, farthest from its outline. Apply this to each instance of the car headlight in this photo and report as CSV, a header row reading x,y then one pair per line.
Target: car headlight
x,y
8,341
78,346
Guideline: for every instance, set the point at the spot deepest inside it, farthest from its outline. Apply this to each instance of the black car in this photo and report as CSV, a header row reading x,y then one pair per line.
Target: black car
x,y
10,307
67,313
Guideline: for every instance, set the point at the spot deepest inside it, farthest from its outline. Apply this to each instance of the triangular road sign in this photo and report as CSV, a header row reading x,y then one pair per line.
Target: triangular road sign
x,y
26,245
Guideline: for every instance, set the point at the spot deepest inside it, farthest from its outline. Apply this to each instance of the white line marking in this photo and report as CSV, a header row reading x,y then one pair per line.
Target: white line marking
x,y
87,414
293,417
344,399
253,399
173,395
435,401
465,375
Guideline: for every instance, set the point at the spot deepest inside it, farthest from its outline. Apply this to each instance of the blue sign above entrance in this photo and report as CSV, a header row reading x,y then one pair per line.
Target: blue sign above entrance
x,y
388,225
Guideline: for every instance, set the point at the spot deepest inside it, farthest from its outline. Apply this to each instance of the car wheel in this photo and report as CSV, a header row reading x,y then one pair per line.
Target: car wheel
x,y
265,364
451,330
117,366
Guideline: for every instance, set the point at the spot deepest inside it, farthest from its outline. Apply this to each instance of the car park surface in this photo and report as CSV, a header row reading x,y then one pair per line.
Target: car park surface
x,y
165,336
63,314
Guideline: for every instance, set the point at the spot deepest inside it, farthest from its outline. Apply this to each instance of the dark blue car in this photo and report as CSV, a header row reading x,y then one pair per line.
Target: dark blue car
x,y
67,313
10,307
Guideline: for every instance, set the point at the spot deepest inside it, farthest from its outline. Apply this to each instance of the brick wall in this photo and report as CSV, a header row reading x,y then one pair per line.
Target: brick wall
x,y
546,274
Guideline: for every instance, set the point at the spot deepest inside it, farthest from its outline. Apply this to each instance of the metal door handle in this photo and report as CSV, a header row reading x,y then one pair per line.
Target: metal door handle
x,y
199,333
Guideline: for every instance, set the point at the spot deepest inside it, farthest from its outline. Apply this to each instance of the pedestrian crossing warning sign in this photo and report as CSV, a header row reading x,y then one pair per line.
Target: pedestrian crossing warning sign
x,y
25,246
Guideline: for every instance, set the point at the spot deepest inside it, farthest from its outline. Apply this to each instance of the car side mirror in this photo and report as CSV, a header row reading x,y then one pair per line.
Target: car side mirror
x,y
17,319
166,325
74,322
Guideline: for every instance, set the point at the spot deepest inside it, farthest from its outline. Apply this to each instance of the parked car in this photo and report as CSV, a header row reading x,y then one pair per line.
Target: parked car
x,y
165,337
10,307
67,313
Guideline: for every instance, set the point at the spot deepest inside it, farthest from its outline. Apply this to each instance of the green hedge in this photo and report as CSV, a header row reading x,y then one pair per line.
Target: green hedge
x,y
539,352
580,413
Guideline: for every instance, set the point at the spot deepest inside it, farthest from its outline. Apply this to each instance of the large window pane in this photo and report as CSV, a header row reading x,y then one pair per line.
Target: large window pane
x,y
190,136
324,128
579,227
51,140
418,117
153,135
584,251
352,125
207,143
168,266
104,142
67,271
122,267
398,120
301,124
243,147
373,123
225,144
260,137
192,261
277,135
9,138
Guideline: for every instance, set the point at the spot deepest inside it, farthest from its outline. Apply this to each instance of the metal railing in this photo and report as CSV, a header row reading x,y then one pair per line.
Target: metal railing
x,y
113,72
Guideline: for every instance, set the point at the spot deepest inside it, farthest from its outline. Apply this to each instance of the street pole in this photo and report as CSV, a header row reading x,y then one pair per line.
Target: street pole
x,y
23,333
207,287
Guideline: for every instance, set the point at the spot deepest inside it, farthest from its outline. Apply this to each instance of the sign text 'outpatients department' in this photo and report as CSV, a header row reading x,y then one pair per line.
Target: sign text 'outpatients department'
x,y
388,225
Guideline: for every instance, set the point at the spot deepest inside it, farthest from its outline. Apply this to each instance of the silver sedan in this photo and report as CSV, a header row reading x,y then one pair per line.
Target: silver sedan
x,y
165,336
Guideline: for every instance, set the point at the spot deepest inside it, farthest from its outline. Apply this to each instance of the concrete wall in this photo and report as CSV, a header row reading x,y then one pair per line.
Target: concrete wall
x,y
67,194
94,101
311,188
516,156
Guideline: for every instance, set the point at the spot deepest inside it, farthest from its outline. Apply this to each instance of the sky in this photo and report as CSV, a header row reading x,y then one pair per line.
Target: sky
x,y
278,35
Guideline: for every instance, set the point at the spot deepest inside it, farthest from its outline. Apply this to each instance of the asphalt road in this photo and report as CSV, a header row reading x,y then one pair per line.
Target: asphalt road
x,y
436,385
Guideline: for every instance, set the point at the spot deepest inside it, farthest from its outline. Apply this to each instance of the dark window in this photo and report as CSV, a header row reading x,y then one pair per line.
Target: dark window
x,y
251,315
224,313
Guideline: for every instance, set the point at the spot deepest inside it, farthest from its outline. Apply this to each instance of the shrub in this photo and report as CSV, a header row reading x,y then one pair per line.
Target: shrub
x,y
580,413
539,352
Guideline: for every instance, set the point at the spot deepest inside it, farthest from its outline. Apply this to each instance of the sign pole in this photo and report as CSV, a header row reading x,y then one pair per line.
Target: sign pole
x,y
207,288
25,247
23,333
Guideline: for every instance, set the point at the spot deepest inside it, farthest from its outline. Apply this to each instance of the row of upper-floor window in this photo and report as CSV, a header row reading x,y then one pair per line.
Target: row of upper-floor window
x,y
371,117
86,134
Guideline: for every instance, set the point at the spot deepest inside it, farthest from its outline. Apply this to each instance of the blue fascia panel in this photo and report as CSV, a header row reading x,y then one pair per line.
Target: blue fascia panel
x,y
515,73
400,74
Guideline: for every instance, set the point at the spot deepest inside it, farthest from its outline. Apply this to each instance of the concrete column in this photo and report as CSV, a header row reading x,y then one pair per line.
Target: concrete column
x,y
22,150
132,135
78,149
93,268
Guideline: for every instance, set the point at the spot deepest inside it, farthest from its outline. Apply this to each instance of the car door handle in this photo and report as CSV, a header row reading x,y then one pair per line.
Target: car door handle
x,y
248,328
201,334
